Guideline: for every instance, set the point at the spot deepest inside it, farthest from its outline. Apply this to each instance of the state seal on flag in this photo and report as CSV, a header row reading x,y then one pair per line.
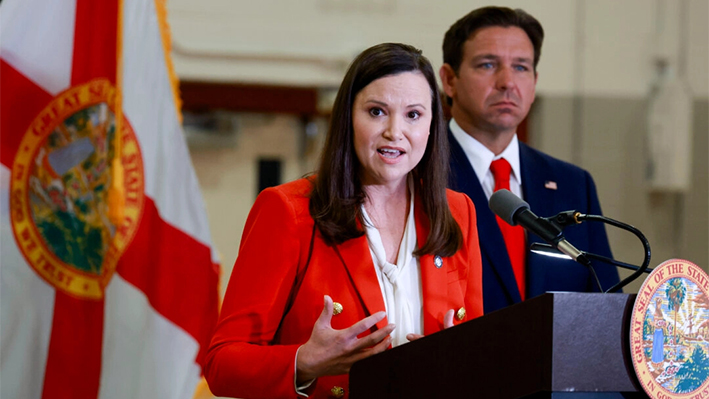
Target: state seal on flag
x,y
669,333
59,188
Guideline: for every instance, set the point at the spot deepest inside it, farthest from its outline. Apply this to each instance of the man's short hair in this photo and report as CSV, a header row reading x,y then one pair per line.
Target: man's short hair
x,y
484,17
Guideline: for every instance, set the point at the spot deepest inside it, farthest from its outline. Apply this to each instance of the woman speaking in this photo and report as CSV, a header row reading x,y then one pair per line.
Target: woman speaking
x,y
369,253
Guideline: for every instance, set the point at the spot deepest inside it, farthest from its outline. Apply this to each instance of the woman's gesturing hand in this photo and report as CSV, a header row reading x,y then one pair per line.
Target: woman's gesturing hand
x,y
332,352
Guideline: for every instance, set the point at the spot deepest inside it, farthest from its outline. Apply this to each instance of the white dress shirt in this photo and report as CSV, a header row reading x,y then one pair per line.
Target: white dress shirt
x,y
481,157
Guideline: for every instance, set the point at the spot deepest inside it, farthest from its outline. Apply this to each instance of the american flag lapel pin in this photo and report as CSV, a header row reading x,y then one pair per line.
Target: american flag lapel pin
x,y
551,185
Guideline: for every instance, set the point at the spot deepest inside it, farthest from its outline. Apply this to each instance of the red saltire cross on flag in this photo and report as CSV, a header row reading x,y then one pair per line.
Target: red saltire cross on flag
x,y
90,307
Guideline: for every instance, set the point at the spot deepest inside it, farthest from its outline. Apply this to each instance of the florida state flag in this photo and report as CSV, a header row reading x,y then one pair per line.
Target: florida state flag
x,y
108,278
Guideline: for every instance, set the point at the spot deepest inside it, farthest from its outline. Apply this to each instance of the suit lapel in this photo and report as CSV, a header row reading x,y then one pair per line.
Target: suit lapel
x,y
358,262
536,175
492,244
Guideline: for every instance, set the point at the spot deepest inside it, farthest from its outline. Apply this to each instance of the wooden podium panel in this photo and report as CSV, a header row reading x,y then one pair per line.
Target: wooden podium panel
x,y
558,345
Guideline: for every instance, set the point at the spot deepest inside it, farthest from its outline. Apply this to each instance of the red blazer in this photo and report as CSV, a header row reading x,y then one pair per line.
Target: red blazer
x,y
252,353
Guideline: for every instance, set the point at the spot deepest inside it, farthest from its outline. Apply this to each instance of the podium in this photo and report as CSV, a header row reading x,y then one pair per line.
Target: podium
x,y
557,345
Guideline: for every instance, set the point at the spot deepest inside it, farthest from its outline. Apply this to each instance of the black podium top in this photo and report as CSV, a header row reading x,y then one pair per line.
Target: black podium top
x,y
556,345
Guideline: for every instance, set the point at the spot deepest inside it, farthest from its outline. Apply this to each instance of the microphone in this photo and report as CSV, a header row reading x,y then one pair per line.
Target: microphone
x,y
514,211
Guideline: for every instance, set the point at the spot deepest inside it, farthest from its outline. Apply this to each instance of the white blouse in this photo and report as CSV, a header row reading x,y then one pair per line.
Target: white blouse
x,y
401,282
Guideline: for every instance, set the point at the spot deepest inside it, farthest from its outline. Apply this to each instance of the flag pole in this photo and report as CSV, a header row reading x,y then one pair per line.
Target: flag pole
x,y
116,193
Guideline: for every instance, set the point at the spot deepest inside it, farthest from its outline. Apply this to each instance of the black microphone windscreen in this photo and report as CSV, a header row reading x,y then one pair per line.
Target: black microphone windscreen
x,y
505,205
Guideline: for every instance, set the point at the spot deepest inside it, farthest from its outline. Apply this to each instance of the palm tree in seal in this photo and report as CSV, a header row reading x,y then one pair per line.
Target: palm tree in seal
x,y
675,292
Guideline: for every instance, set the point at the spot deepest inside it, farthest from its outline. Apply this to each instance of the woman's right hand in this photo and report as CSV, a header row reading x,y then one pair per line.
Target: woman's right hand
x,y
332,352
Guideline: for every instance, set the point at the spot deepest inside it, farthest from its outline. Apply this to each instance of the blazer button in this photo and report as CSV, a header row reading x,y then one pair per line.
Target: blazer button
x,y
336,308
460,314
438,261
337,392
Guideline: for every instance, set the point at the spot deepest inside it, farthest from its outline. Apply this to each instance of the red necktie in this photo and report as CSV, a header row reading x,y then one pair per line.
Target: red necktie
x,y
514,235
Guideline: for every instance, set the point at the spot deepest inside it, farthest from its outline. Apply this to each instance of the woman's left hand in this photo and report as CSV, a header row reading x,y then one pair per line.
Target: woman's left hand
x,y
447,323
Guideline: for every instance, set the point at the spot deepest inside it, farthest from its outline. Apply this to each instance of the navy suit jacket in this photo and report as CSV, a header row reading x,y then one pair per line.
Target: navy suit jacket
x,y
575,190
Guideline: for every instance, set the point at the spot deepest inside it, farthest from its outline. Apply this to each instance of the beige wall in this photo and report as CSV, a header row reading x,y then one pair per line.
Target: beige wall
x,y
227,172
593,47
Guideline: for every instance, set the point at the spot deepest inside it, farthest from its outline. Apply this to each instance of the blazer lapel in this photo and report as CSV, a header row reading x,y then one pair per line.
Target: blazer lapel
x,y
357,259
434,281
492,244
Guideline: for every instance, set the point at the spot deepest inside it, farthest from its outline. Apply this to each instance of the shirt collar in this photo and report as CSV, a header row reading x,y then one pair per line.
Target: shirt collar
x,y
481,157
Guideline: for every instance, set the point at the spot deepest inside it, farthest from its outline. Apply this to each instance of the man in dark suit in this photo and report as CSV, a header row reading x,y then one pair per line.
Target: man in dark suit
x,y
489,74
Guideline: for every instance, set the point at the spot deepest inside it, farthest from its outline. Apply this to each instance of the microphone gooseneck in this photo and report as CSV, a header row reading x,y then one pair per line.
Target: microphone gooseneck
x,y
514,211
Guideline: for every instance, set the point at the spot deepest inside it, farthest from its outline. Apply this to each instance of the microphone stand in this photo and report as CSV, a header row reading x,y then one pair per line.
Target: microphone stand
x,y
564,219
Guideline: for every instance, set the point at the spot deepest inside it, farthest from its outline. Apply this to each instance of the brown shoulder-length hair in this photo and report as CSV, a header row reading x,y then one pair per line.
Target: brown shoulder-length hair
x,y
337,195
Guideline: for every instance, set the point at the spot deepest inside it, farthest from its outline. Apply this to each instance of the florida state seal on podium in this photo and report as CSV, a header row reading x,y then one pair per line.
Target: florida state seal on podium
x,y
669,334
